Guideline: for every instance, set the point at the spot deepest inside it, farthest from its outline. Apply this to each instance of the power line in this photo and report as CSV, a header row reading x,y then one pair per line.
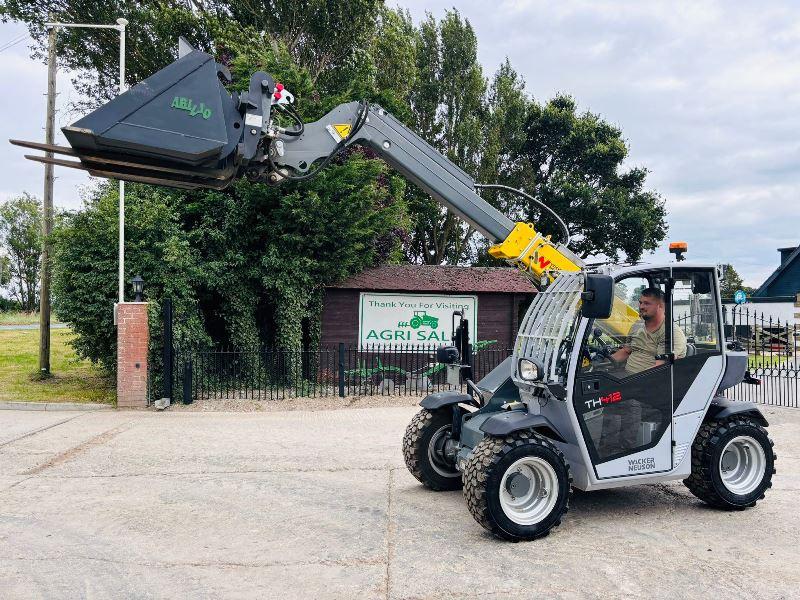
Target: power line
x,y
14,40
13,43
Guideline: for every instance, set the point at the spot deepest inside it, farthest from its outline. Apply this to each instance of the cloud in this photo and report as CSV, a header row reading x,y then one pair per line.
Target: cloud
x,y
706,94
23,104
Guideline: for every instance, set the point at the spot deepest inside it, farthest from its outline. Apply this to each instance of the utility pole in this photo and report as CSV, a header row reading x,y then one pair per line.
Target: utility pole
x,y
47,220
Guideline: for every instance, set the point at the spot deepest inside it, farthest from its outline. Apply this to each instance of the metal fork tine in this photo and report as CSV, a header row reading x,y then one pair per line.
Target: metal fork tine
x,y
45,147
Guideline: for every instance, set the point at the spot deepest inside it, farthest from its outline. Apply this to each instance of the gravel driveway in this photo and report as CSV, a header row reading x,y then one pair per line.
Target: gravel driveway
x,y
318,504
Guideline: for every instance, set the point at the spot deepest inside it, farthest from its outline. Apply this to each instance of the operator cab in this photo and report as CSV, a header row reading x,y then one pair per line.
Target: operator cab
x,y
634,369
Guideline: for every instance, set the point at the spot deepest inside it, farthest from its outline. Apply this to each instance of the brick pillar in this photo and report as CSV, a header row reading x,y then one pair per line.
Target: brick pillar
x,y
133,337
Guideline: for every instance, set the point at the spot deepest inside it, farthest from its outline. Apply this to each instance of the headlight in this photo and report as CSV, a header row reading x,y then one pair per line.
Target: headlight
x,y
529,370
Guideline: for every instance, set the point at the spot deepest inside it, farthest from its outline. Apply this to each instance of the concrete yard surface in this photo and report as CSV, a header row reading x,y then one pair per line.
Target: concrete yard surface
x,y
318,504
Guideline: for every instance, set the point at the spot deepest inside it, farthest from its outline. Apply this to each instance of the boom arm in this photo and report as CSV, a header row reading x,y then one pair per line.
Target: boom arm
x,y
422,164
180,127
403,149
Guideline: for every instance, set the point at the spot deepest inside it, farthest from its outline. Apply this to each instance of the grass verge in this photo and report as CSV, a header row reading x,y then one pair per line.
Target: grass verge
x,y
755,361
72,380
15,317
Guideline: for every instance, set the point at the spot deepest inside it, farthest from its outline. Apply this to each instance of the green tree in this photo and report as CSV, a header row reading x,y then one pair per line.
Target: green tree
x,y
330,39
85,267
21,237
731,282
5,270
506,115
394,56
448,110
152,35
573,163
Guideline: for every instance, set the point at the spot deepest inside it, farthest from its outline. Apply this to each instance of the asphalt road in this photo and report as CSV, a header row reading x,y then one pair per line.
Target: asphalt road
x,y
31,326
318,504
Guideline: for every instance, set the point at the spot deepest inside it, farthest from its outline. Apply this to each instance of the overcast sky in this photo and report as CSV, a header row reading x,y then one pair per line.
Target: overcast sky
x,y
706,93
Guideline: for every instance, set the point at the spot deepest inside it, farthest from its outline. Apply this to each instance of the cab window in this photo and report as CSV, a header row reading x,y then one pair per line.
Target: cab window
x,y
608,336
695,311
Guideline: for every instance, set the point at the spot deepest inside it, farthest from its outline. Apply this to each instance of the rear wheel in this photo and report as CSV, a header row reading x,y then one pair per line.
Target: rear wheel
x,y
428,449
732,463
517,487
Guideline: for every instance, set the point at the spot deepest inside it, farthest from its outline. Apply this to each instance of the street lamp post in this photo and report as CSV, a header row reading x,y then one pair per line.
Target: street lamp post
x,y
138,288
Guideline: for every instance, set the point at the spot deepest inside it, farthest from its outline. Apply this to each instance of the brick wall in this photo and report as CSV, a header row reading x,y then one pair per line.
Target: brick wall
x,y
132,340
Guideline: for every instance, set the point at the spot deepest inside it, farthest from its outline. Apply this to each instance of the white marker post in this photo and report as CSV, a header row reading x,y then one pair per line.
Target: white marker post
x,y
120,26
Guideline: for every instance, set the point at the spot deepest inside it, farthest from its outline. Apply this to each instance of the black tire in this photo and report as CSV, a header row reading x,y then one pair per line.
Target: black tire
x,y
424,459
483,478
706,481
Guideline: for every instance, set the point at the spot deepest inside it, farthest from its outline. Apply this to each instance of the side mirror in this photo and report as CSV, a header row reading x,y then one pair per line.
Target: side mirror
x,y
597,296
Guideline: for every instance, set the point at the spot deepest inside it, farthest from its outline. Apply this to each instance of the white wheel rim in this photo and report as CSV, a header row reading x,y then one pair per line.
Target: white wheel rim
x,y
435,458
742,465
538,500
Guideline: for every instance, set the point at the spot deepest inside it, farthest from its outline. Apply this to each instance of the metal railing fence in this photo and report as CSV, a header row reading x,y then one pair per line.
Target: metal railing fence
x,y
276,374
773,350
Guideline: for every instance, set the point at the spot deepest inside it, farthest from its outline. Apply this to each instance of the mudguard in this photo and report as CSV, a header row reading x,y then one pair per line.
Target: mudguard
x,y
722,408
506,422
448,398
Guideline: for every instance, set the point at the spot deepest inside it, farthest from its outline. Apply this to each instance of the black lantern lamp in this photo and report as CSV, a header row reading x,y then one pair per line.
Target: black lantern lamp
x,y
138,287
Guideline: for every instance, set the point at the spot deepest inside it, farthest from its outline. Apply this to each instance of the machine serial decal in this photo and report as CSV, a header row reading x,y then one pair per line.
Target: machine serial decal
x,y
612,398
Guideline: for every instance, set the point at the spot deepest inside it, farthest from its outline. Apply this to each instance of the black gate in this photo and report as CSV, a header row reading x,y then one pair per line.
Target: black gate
x,y
773,348
191,373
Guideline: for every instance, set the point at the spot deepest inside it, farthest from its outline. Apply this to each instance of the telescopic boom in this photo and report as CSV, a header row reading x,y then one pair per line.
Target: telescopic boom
x,y
181,128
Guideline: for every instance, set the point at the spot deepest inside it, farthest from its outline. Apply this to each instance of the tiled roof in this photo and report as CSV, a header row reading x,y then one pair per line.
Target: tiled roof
x,y
434,278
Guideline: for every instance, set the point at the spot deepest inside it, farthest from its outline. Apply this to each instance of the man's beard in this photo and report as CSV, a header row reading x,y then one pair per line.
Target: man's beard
x,y
645,317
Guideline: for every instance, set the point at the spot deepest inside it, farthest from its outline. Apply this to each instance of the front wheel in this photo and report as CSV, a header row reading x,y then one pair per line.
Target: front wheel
x,y
429,450
517,487
732,463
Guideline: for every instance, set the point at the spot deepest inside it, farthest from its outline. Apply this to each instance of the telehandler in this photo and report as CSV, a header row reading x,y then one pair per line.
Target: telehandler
x,y
563,411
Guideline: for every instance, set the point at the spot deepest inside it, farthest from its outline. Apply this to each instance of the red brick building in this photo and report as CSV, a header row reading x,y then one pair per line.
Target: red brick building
x,y
499,295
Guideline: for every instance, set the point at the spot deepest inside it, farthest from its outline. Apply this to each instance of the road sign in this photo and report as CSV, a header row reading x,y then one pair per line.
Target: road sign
x,y
740,297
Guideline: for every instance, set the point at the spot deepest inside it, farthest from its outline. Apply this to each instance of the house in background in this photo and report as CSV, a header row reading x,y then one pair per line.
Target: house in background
x,y
779,296
785,280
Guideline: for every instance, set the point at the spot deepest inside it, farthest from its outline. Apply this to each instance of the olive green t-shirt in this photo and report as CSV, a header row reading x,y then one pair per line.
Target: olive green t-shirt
x,y
645,345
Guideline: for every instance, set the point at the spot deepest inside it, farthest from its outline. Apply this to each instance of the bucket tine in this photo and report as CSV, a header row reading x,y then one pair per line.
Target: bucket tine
x,y
45,147
72,164
139,175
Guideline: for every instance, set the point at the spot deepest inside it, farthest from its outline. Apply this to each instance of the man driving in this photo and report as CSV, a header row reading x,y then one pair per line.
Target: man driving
x,y
621,422
648,340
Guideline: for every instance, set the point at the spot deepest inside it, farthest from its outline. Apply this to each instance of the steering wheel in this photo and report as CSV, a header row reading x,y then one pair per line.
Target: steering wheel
x,y
600,347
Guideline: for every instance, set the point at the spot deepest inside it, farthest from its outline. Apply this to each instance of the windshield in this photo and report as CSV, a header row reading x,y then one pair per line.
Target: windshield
x,y
549,327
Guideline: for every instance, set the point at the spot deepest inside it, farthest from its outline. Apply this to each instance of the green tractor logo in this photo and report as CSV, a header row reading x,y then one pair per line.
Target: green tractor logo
x,y
421,319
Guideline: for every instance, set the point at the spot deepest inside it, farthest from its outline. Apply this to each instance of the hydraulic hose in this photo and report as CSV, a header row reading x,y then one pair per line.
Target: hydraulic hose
x,y
497,186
